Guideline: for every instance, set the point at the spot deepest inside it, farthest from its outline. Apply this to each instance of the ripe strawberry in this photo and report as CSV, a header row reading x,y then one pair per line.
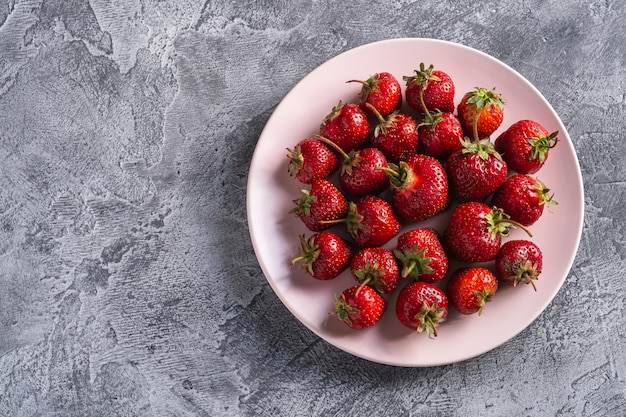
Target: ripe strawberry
x,y
420,187
525,145
396,136
481,112
523,198
474,233
324,255
347,126
361,171
319,204
376,267
422,306
311,160
422,256
519,262
475,171
382,91
371,221
359,307
429,89
470,288
440,134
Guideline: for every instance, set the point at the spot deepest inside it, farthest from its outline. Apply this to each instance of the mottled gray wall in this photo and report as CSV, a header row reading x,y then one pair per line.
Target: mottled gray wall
x,y
128,283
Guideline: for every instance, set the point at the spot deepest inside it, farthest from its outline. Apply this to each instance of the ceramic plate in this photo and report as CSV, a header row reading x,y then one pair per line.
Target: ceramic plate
x,y
275,232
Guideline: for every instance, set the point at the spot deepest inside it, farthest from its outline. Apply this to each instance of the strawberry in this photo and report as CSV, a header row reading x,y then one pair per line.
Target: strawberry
x,y
321,203
396,136
429,89
440,134
470,288
474,232
525,145
324,255
422,306
523,198
481,112
475,171
422,256
376,267
359,307
371,221
519,262
361,170
420,187
382,91
311,160
347,126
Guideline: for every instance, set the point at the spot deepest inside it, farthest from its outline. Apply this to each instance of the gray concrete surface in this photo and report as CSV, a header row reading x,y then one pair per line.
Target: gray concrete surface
x,y
128,283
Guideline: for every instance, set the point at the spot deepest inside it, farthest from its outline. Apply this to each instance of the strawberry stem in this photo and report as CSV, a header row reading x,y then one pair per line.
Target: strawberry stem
x,y
499,223
333,145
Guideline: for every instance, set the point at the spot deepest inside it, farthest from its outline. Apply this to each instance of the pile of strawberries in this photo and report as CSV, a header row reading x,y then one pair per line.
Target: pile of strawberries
x,y
372,169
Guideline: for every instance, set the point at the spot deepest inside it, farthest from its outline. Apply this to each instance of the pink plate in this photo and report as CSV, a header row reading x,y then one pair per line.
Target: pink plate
x,y
275,232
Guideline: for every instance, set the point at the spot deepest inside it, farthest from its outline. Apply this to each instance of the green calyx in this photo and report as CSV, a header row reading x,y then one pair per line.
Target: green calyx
x,y
383,123
483,297
354,220
499,223
296,160
334,112
399,175
371,274
343,309
429,317
303,204
482,97
545,198
431,119
422,76
369,85
309,252
525,272
414,261
541,145
483,148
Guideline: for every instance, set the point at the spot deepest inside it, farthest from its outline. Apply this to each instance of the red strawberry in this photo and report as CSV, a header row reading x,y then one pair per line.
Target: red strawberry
x,y
475,171
361,171
422,306
474,233
396,136
481,112
376,267
371,221
523,198
519,262
422,256
430,89
470,288
322,203
525,145
359,307
324,255
347,126
311,160
382,91
440,134
420,187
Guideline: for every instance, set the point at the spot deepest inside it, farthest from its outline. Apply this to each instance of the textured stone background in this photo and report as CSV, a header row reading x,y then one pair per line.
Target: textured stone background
x,y
128,283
